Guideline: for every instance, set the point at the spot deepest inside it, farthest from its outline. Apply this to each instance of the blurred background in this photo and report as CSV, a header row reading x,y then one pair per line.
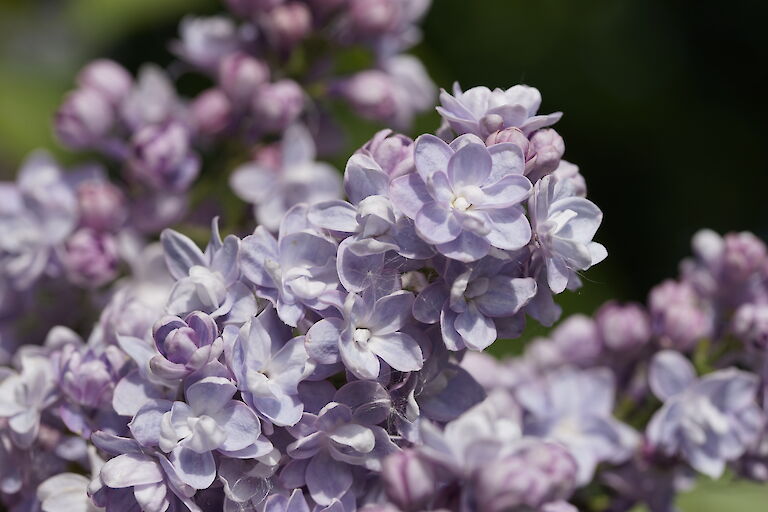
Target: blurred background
x,y
664,107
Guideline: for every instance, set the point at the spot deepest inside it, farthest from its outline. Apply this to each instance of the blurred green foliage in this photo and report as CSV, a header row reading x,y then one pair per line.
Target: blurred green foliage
x,y
664,106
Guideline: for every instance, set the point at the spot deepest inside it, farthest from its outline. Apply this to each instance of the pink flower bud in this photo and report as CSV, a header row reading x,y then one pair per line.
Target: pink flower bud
x,y
101,204
623,327
162,158
211,112
108,78
288,24
548,146
371,94
240,76
278,105
374,16
408,479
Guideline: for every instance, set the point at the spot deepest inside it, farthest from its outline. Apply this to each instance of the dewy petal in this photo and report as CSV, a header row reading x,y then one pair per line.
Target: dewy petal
x,y
467,247
437,224
508,228
477,330
431,154
399,350
327,479
391,312
334,215
130,469
670,374
209,395
198,470
469,166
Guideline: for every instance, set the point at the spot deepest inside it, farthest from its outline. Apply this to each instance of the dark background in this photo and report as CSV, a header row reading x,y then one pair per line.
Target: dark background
x,y
664,101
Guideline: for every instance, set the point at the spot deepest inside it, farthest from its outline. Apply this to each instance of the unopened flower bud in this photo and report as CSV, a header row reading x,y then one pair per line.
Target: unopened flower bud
x,y
288,24
240,76
577,340
211,112
184,345
409,480
744,254
108,78
278,105
90,258
392,151
101,205
750,324
514,135
373,16
549,148
84,118
623,328
162,157
677,318
371,94
206,40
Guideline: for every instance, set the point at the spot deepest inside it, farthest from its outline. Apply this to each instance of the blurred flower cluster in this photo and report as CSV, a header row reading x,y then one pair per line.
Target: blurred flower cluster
x,y
329,357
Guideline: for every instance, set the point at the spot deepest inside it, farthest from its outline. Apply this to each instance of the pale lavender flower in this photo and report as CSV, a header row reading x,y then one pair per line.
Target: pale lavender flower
x,y
190,431
90,258
563,226
211,112
577,341
481,111
708,421
548,147
162,159
66,492
409,480
467,301
298,179
153,99
750,324
185,346
286,25
24,395
101,204
369,329
294,273
574,408
268,364
623,328
392,152
206,40
465,198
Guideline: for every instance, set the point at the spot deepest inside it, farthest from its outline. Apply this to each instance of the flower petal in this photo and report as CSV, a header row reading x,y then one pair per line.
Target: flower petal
x,y
437,224
399,350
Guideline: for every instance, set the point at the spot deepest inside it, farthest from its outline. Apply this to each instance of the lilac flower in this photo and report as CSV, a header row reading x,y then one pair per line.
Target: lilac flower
x,y
277,106
185,346
162,158
211,112
392,152
299,179
205,41
465,198
152,101
409,480
623,327
294,273
287,24
24,396
207,281
481,111
750,324
190,431
268,364
468,299
65,492
678,317
327,448
90,258
241,75
370,329
707,421
101,204
107,77
574,408
36,215
84,119
563,228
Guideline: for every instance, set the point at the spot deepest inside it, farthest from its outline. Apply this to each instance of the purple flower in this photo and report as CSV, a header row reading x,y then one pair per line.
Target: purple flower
x,y
162,158
481,111
623,328
468,299
189,431
574,408
298,179
750,324
707,421
184,346
268,364
294,273
563,227
24,396
409,480
465,197
211,112
278,105
370,329
205,41
392,152
152,101
241,75
90,258
287,24
678,316
101,205
327,447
